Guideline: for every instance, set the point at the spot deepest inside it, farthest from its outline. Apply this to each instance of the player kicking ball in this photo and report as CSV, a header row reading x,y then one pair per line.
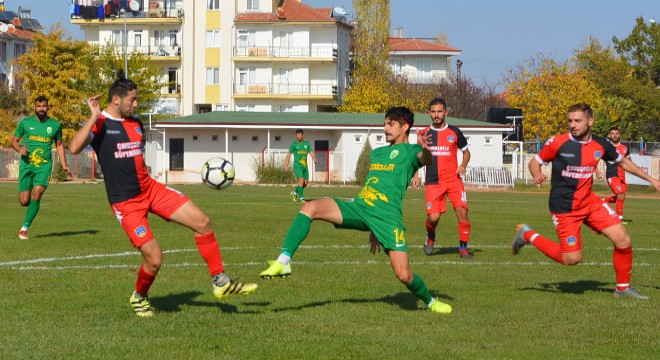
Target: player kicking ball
x,y
377,208
574,156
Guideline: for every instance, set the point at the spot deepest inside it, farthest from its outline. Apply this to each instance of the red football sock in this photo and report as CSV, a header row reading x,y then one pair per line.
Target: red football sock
x,y
430,230
550,248
619,207
144,281
464,231
622,259
610,199
207,245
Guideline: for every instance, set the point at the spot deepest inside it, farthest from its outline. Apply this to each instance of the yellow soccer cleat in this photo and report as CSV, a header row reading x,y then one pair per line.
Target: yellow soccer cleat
x,y
439,307
233,287
141,305
276,270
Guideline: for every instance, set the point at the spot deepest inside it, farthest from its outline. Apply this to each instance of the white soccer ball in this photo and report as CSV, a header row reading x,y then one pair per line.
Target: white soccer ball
x,y
218,173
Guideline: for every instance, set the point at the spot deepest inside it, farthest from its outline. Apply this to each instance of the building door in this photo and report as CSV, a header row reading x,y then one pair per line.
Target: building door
x,y
322,152
176,154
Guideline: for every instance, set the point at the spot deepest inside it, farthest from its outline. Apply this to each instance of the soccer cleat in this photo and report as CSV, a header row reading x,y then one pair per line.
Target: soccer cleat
x,y
629,292
465,254
276,270
141,305
294,197
519,239
233,287
23,235
428,246
439,307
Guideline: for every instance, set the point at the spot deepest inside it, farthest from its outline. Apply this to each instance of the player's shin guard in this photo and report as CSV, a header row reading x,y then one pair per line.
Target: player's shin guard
x,y
144,281
464,231
430,230
418,287
550,248
622,259
207,245
296,234
31,213
619,207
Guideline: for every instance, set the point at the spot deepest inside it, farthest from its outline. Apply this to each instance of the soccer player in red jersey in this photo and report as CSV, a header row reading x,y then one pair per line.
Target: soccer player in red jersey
x,y
118,140
616,176
443,177
574,156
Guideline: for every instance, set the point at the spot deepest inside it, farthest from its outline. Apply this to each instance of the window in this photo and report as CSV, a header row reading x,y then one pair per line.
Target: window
x,y
118,37
159,37
173,85
213,4
234,138
137,37
3,51
255,138
253,4
173,37
214,138
176,154
488,141
357,139
19,49
380,139
195,138
212,38
212,76
423,68
278,138
245,108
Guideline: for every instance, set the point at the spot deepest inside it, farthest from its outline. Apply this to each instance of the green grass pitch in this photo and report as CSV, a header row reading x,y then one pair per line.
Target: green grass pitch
x,y
65,290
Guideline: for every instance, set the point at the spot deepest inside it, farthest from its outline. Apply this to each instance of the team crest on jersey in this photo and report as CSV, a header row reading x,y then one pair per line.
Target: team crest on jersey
x,y
394,154
571,240
451,138
598,155
428,205
49,130
141,231
138,130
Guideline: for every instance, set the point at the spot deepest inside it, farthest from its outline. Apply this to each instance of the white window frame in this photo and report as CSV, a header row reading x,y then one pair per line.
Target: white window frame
x,y
380,139
358,139
253,5
212,76
235,138
212,38
213,4
488,140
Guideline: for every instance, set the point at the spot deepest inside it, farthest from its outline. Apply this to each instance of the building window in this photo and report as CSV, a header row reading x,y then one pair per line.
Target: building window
x,y
278,138
195,138
3,51
380,139
212,38
213,4
253,4
176,154
234,138
249,108
357,139
19,49
212,76
255,138
488,141
173,37
214,138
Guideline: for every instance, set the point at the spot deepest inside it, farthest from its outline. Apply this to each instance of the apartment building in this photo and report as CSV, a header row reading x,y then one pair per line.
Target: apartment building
x,y
17,30
421,61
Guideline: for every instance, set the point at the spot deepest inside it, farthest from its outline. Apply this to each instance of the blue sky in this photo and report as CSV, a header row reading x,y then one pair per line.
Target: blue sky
x,y
492,34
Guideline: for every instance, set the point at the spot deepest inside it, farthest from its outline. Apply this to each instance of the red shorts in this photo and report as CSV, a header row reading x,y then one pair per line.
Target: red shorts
x,y
132,214
617,185
596,215
435,196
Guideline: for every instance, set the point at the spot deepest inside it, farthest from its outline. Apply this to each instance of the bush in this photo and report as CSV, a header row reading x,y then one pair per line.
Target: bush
x,y
271,171
60,175
363,161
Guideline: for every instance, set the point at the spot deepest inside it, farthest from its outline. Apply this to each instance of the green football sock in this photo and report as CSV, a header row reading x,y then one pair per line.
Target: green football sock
x,y
31,213
418,287
301,192
297,233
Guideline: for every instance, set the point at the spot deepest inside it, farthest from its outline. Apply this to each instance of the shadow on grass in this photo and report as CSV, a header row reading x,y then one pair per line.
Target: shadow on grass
x,y
69,233
404,300
575,287
438,250
172,303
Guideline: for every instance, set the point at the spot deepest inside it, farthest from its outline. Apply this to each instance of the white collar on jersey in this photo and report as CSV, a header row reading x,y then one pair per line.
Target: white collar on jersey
x,y
582,142
108,116
441,129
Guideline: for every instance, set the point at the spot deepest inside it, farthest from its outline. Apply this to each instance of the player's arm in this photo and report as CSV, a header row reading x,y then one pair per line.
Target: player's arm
x,y
425,157
15,144
286,162
466,159
84,136
415,180
629,166
537,174
60,152
311,153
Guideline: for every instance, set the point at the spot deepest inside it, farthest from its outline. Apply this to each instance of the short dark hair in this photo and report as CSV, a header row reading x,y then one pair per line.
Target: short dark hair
x,y
299,131
437,101
614,128
41,98
401,114
581,107
121,86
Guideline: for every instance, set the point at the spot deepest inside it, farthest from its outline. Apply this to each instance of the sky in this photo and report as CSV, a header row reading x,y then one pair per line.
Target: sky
x,y
493,35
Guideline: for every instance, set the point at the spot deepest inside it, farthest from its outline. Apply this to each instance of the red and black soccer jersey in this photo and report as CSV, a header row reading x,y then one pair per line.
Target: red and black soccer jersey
x,y
119,146
444,144
573,165
614,170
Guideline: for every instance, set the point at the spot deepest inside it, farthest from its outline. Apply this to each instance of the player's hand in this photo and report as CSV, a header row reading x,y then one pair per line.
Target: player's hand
x,y
374,244
67,171
656,184
415,182
94,106
23,151
599,175
539,179
461,170
423,139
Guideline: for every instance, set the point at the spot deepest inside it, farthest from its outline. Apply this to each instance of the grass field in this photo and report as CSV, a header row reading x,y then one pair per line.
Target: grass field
x,y
65,291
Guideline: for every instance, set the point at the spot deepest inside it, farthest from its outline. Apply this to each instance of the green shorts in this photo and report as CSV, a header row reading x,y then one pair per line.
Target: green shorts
x,y
390,232
301,172
30,176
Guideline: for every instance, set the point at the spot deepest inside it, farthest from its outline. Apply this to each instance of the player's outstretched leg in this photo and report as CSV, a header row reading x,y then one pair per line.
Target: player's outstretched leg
x,y
519,239
276,270
223,286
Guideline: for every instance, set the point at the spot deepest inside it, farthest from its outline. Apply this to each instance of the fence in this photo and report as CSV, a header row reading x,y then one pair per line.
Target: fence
x,y
82,166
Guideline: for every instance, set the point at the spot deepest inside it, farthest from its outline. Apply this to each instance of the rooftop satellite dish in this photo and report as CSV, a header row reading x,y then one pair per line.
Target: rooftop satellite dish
x,y
134,5
16,21
12,28
4,27
339,11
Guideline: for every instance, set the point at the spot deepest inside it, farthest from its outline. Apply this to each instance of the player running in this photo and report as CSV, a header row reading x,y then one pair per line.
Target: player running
x,y
616,176
574,156
300,149
377,208
443,177
118,140
38,133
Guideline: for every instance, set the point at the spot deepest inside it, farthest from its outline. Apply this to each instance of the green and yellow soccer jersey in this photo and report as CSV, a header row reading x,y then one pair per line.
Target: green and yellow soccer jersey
x,y
300,150
390,172
38,138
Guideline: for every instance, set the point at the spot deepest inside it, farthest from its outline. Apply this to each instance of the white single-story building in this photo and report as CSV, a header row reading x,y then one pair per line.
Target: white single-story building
x,y
177,148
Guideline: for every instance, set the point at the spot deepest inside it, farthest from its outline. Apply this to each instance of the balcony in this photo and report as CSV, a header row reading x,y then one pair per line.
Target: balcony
x,y
423,77
288,53
148,10
285,90
157,52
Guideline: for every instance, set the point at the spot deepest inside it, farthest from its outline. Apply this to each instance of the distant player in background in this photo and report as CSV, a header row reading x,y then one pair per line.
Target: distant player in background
x,y
300,149
443,177
118,140
574,156
38,133
616,176
376,209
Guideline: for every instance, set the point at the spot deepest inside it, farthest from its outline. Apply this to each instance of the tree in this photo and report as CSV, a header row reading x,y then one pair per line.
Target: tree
x,y
467,100
544,89
363,163
642,50
13,106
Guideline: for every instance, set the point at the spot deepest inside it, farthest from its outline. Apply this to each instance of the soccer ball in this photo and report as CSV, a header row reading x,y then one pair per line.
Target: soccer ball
x,y
218,173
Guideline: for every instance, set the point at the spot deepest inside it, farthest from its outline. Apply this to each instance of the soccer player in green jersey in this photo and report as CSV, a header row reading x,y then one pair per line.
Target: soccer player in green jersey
x,y
300,149
38,133
377,208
